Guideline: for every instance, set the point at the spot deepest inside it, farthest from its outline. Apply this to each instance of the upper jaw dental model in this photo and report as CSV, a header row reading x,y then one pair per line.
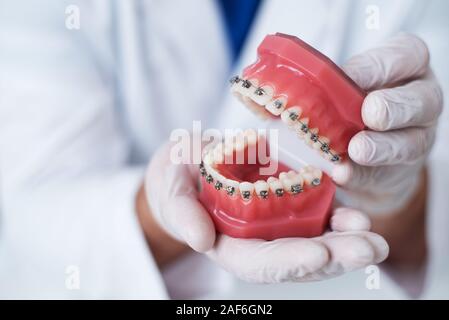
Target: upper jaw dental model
x,y
304,89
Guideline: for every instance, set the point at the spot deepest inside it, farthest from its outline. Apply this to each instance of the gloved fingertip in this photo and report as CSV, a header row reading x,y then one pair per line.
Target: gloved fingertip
x,y
380,245
200,239
375,112
346,219
420,50
360,253
191,222
342,173
351,252
361,149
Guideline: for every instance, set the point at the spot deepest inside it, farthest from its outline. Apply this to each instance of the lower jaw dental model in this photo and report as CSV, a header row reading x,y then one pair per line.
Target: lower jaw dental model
x,y
295,83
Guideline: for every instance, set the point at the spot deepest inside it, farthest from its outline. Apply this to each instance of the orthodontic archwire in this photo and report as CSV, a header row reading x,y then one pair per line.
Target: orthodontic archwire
x,y
293,116
230,190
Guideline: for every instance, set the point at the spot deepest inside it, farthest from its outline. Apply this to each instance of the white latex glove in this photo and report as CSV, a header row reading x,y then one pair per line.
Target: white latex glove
x,y
401,112
172,195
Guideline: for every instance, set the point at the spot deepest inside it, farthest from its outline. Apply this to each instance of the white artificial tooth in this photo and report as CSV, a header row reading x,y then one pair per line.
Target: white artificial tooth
x,y
317,173
246,190
207,167
302,127
235,87
312,176
285,117
248,86
254,83
258,110
262,95
218,184
217,176
276,106
251,136
306,173
208,159
327,155
272,179
305,169
291,173
305,121
292,182
297,111
297,182
308,177
311,136
332,156
335,158
288,175
218,179
261,188
287,184
322,144
282,175
297,178
244,87
276,186
297,128
232,187
233,183
214,174
291,115
241,86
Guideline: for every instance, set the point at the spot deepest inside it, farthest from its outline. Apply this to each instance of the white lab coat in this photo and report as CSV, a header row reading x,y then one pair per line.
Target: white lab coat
x,y
81,112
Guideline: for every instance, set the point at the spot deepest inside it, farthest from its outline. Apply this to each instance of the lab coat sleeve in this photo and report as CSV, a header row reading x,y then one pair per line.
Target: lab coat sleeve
x,y
68,226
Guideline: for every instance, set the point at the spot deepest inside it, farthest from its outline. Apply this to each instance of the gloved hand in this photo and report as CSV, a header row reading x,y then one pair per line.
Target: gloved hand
x,y
172,195
401,113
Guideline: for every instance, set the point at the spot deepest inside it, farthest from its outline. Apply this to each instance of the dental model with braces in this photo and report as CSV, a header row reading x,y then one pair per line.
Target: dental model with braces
x,y
263,96
290,182
295,83
245,203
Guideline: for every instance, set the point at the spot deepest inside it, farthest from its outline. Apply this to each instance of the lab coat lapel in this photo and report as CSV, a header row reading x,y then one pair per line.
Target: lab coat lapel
x,y
173,62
